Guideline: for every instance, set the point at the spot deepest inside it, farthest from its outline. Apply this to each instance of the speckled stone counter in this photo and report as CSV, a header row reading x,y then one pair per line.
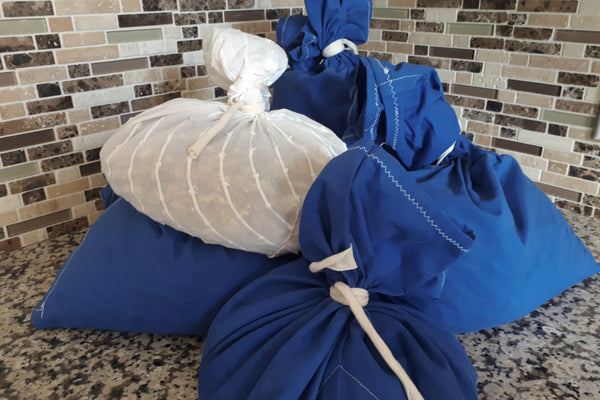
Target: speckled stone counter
x,y
553,353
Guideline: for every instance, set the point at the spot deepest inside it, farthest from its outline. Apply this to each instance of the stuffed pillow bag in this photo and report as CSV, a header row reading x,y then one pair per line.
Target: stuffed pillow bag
x,y
230,174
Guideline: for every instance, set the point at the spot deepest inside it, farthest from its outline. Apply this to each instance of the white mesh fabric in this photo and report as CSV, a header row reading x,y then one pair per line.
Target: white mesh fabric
x,y
246,187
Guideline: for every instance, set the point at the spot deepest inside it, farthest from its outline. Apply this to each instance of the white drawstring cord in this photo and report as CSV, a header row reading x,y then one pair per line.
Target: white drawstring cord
x,y
338,46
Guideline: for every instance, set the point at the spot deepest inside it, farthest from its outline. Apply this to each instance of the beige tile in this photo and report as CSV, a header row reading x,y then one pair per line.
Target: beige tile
x,y
553,20
146,76
568,157
589,7
531,99
581,133
380,3
50,206
564,64
407,26
9,111
478,127
9,217
95,22
546,140
532,173
18,93
287,3
83,39
99,125
573,50
592,95
84,210
253,27
465,78
76,116
97,180
397,47
461,41
69,174
202,82
568,182
94,217
200,94
45,74
519,59
70,7
482,140
60,24
402,3
375,34
436,14
398,58
170,73
584,22
131,6
595,67
433,39
526,160
506,96
10,203
558,167
67,56
63,189
492,56
373,46
527,73
34,237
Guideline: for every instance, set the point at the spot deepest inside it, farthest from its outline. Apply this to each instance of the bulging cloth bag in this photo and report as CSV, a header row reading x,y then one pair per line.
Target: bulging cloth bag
x,y
233,175
333,324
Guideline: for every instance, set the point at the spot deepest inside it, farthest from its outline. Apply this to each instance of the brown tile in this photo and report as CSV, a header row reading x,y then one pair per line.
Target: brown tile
x,y
38,222
584,173
516,146
468,102
417,14
50,150
494,106
13,157
590,200
487,43
159,5
92,154
50,41
470,4
48,89
244,15
106,110
149,102
479,16
573,92
78,185
169,86
437,27
382,56
92,194
557,130
587,148
10,245
12,44
534,87
498,4
90,169
504,30
592,51
109,67
27,8
65,132
527,124
35,182
391,24
184,46
195,5
448,52
8,78
33,196
577,106
166,59
75,225
32,123
99,205
468,66
475,91
61,162
569,6
238,4
532,33
532,47
48,105
394,36
95,83
530,112
215,17
126,117
438,63
559,192
420,50
591,162
131,20
578,79
440,3
142,90
189,32
508,133
570,35
26,60
557,167
186,72
196,18
278,13
3,190
476,115
79,70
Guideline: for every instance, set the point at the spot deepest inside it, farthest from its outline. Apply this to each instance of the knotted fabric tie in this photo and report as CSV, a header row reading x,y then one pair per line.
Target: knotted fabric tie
x,y
338,46
207,135
356,299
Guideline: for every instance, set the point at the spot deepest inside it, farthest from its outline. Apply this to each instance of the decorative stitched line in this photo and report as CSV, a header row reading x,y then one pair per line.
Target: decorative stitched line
x,y
386,71
411,199
351,376
285,24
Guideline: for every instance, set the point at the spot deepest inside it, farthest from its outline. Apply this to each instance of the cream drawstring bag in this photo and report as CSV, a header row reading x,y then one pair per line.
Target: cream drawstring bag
x,y
231,174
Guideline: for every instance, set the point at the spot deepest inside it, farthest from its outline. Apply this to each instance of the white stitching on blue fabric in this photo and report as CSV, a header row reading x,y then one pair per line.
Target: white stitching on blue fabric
x,y
371,129
285,24
339,367
411,199
386,71
399,79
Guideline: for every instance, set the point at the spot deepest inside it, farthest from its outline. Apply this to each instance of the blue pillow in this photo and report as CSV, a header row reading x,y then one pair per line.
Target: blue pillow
x,y
133,274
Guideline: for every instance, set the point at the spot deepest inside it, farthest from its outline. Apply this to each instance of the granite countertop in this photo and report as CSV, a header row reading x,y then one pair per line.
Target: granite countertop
x,y
553,353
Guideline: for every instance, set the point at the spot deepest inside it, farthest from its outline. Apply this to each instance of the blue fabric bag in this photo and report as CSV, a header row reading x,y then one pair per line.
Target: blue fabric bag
x,y
133,274
284,336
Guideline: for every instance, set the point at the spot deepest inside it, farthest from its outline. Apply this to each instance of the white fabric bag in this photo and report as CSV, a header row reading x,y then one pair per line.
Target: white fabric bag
x,y
234,174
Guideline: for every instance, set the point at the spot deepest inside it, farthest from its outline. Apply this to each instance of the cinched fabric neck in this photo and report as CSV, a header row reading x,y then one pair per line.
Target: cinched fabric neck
x,y
357,299
338,46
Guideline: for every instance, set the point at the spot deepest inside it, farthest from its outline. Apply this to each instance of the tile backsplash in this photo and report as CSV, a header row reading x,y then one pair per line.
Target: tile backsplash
x,y
523,77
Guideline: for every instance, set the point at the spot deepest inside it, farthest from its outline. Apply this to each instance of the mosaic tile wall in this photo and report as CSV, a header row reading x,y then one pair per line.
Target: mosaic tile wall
x,y
522,75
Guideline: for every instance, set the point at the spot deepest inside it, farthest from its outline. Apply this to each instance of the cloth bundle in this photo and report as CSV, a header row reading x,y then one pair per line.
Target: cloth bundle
x,y
230,175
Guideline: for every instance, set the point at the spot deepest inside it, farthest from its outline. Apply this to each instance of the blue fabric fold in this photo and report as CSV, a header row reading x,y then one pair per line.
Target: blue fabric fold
x,y
283,337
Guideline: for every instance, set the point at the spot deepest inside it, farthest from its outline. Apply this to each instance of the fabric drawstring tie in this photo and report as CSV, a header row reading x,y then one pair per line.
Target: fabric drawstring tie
x,y
338,46
357,299
207,135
